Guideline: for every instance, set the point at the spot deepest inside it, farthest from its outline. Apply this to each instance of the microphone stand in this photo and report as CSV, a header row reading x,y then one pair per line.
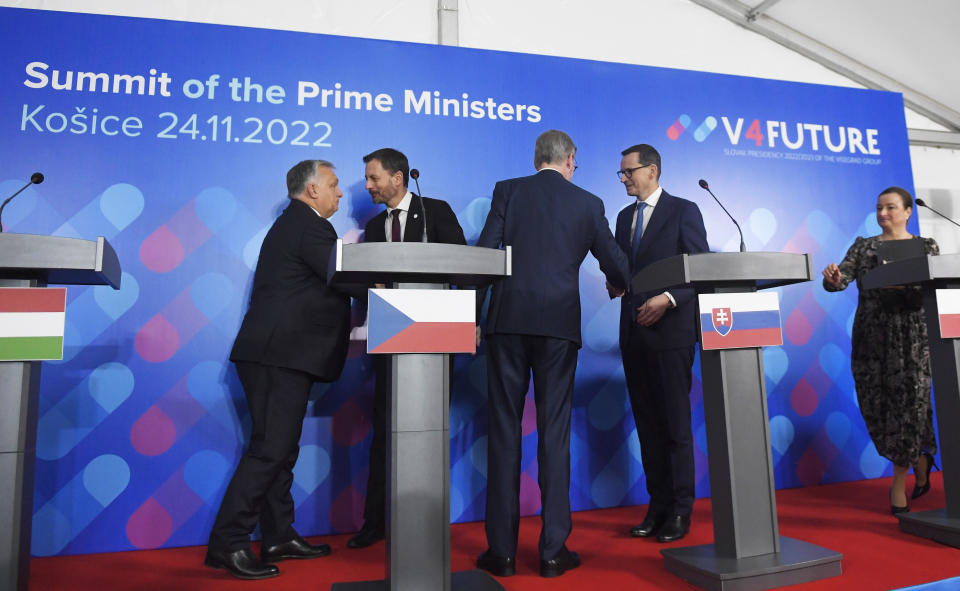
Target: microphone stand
x,y
706,187
921,203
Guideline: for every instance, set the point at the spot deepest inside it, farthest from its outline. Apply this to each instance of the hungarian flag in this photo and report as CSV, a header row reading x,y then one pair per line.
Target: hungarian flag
x,y
948,309
31,323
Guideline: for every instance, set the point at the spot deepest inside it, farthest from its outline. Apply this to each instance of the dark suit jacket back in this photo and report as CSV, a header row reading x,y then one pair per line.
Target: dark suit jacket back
x,y
675,227
295,319
551,224
441,221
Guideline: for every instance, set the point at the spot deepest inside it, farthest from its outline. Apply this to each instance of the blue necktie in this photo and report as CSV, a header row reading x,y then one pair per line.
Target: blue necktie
x,y
635,243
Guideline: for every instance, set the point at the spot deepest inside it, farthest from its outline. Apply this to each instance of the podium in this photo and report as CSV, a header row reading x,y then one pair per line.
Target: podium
x,y
748,553
418,446
932,273
27,260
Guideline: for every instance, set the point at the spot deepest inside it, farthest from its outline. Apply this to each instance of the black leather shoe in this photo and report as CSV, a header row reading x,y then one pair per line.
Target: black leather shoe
x,y
894,510
674,528
560,563
365,537
241,564
918,490
297,548
650,526
501,566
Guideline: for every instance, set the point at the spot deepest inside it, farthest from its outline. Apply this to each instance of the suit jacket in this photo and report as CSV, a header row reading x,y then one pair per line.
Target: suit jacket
x,y
551,224
295,320
675,227
442,224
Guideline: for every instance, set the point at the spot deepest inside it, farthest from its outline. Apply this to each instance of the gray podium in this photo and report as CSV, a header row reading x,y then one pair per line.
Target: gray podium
x,y
27,260
418,448
932,273
748,552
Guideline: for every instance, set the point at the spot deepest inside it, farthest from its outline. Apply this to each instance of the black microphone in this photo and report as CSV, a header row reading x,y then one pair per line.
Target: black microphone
x,y
415,175
35,179
921,203
706,187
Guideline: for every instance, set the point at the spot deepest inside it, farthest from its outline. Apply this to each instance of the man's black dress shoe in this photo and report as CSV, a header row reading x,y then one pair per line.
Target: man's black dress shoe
x,y
364,538
650,526
501,566
241,564
559,564
674,528
297,548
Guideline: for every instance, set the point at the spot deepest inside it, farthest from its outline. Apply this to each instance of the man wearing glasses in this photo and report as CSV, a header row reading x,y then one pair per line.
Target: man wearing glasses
x,y
657,337
533,326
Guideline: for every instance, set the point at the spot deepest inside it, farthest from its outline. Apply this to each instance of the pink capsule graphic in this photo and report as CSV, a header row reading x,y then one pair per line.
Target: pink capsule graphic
x,y
678,127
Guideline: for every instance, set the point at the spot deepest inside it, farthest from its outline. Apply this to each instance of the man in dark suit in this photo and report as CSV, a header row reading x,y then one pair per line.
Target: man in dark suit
x,y
295,333
387,175
657,337
533,324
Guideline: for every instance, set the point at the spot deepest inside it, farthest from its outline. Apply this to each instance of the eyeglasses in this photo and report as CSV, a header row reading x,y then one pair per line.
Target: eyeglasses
x,y
628,172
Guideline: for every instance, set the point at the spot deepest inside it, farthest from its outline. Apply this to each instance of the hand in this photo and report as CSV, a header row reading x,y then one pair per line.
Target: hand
x,y
478,338
380,285
613,291
652,310
832,275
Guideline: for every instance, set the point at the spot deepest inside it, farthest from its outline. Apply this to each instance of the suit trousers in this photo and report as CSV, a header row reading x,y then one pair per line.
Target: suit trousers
x,y
659,385
260,488
510,360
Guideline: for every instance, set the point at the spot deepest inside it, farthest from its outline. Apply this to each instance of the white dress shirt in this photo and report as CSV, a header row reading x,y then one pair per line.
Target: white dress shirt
x,y
403,207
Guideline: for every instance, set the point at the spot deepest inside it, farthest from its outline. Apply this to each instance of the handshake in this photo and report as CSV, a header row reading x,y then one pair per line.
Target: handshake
x,y
651,311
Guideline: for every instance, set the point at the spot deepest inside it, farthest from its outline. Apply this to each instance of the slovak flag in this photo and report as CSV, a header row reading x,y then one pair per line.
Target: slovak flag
x,y
421,321
739,320
948,309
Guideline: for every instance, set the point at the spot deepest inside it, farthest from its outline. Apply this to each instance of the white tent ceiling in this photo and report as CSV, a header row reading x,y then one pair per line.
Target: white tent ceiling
x,y
907,47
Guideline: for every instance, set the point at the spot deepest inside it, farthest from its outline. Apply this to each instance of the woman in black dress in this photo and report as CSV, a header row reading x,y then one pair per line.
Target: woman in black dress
x,y
890,358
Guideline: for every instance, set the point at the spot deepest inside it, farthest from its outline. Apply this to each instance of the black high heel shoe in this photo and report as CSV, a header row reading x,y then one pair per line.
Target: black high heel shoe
x,y
896,510
919,491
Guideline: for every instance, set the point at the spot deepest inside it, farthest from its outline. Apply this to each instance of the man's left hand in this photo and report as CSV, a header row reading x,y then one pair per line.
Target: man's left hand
x,y
652,310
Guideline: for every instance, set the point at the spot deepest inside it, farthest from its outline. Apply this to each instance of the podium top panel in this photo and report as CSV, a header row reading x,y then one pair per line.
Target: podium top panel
x,y
750,270
416,262
942,267
59,261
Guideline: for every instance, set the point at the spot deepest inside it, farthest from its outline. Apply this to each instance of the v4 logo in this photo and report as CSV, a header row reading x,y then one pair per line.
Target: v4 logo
x,y
699,134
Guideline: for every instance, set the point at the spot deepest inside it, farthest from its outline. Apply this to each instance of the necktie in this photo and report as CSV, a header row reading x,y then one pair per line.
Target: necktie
x,y
638,231
395,228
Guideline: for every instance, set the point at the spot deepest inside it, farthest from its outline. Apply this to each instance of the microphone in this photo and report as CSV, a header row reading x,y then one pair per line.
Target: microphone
x,y
706,187
35,179
415,175
921,203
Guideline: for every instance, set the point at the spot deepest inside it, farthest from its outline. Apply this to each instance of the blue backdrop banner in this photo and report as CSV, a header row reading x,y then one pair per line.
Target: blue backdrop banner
x,y
172,140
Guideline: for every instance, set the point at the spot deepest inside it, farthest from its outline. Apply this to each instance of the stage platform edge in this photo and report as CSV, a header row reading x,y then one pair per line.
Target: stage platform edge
x,y
468,580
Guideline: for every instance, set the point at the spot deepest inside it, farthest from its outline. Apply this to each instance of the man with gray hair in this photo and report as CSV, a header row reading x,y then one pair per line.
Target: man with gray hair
x,y
533,325
294,333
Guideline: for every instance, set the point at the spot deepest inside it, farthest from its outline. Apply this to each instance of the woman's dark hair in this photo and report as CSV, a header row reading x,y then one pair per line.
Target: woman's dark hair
x,y
905,195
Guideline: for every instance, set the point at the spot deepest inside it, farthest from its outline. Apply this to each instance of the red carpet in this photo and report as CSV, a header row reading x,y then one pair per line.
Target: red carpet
x,y
852,518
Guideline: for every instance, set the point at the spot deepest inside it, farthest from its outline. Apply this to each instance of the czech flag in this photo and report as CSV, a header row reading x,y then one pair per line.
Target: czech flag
x,y
31,323
421,321
948,308
739,320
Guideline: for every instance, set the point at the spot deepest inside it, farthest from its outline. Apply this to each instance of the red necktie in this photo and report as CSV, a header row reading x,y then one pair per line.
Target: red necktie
x,y
395,228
